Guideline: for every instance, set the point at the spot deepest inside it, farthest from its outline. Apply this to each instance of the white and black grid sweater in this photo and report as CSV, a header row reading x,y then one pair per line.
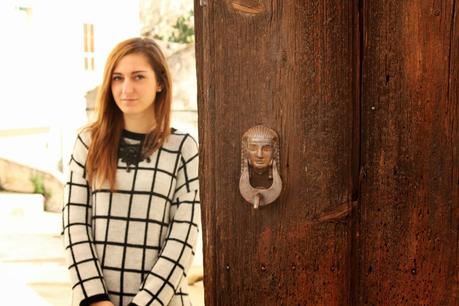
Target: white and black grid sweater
x,y
134,245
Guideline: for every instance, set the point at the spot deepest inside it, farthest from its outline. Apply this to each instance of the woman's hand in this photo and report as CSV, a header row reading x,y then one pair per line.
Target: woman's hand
x,y
102,303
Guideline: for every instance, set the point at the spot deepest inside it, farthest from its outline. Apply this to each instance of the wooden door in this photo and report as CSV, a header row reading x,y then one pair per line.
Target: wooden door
x,y
364,98
408,210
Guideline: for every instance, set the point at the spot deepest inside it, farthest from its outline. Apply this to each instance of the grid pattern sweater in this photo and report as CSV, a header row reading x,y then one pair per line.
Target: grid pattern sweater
x,y
134,245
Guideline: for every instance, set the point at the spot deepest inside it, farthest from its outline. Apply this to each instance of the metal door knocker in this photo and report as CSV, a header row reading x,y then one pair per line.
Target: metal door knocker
x,y
260,183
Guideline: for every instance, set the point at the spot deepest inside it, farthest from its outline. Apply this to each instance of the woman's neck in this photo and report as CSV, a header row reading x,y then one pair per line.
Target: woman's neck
x,y
139,124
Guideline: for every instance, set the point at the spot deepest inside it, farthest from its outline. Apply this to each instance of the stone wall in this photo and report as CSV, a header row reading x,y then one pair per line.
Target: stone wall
x,y
16,177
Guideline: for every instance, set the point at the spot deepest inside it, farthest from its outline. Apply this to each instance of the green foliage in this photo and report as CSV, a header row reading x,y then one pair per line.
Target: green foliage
x,y
183,29
39,185
158,37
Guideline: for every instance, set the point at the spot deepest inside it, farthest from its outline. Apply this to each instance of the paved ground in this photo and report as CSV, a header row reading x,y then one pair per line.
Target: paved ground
x,y
32,267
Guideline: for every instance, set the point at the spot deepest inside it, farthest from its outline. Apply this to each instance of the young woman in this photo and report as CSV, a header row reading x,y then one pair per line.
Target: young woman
x,y
131,213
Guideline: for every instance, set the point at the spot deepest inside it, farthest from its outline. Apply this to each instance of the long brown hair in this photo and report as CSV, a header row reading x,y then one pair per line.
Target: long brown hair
x,y
106,131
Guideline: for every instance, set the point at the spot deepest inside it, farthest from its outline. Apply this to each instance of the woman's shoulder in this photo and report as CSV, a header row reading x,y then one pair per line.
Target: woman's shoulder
x,y
83,137
181,141
80,149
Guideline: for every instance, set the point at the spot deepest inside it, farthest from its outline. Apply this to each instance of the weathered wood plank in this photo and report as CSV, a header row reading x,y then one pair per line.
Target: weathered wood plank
x,y
291,66
409,197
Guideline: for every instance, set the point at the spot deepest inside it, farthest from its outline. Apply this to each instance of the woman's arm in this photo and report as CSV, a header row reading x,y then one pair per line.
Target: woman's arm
x,y
176,256
84,268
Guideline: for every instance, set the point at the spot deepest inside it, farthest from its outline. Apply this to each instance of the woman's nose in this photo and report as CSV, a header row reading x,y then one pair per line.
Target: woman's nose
x,y
127,86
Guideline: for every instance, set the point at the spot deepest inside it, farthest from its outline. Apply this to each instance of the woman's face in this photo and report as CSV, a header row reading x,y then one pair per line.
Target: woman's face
x,y
134,86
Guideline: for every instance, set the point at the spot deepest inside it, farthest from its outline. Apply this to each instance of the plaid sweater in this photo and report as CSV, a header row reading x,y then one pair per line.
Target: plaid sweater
x,y
133,246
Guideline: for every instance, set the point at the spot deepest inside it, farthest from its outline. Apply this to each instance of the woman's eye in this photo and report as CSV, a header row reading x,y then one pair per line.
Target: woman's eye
x,y
139,77
116,78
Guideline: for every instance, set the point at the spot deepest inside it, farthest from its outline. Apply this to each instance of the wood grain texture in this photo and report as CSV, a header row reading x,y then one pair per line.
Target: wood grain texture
x,y
291,67
408,230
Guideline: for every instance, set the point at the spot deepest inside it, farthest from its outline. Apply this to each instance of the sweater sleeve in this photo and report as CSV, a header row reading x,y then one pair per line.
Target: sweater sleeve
x,y
84,267
176,255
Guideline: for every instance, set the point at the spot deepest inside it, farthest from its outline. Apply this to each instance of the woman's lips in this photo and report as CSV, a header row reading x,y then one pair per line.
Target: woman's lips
x,y
129,101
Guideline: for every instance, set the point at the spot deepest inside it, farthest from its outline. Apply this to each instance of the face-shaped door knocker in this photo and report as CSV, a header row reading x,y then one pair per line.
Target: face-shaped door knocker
x,y
260,183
